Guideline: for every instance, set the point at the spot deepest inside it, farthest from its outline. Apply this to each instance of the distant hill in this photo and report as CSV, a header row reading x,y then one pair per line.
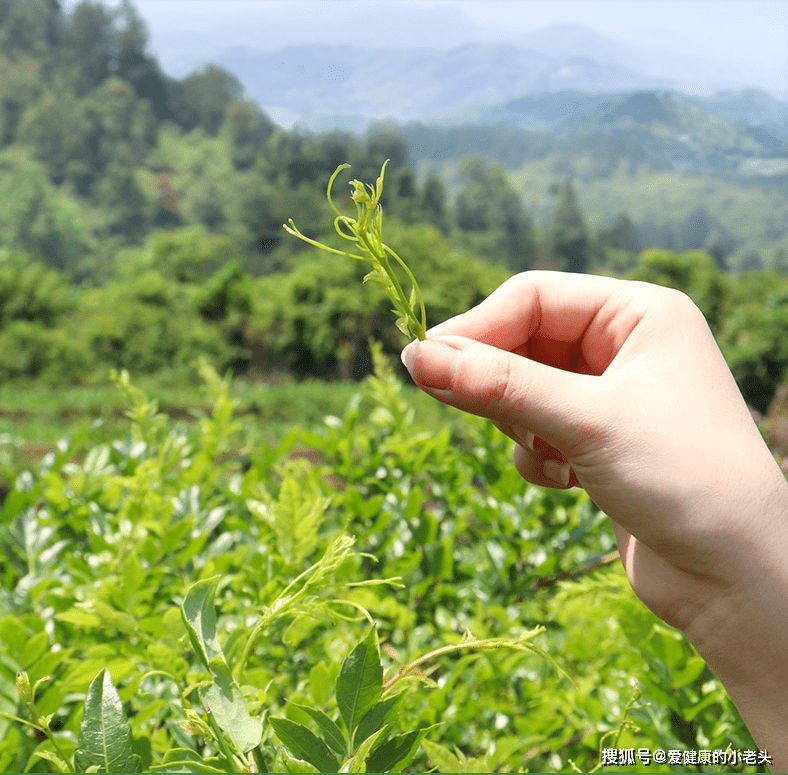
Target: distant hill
x,y
346,85
679,132
548,108
654,130
686,177
749,106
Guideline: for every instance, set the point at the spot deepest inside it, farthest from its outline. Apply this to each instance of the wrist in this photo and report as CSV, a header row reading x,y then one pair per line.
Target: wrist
x,y
741,630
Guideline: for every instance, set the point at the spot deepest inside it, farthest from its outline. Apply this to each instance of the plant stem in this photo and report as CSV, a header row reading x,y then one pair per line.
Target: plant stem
x,y
221,742
366,231
482,645
278,608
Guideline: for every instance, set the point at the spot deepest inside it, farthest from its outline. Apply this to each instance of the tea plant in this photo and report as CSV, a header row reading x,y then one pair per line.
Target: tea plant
x,y
177,600
198,693
366,231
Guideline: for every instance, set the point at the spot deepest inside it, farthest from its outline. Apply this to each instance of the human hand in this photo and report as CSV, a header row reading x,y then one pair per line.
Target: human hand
x,y
625,392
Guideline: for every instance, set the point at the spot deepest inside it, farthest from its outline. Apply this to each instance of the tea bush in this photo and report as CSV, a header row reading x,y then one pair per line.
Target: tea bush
x,y
374,595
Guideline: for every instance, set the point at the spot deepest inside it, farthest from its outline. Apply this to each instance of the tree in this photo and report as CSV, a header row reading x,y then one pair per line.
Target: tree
x,y
400,196
433,203
128,211
247,129
28,26
337,148
203,97
31,291
621,235
753,337
138,324
185,255
168,210
207,206
569,239
38,219
67,155
695,273
385,142
226,299
490,210
133,63
87,45
695,228
126,124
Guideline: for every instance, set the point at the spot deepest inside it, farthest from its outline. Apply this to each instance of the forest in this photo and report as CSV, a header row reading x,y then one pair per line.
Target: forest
x,y
142,244
141,223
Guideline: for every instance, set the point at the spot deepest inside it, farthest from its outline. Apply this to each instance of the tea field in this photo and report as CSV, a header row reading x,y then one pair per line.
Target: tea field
x,y
313,578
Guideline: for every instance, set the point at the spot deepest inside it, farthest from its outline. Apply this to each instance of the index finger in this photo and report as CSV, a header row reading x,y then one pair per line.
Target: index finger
x,y
572,321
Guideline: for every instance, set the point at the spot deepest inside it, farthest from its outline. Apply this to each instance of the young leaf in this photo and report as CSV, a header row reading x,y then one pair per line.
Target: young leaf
x,y
105,735
332,734
298,513
304,744
56,759
396,753
199,617
360,682
358,762
225,700
365,231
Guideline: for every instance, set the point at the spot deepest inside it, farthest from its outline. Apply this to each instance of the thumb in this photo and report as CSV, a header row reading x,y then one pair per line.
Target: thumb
x,y
504,387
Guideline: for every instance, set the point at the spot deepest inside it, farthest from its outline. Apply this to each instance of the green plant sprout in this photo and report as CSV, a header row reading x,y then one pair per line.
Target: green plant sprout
x,y
366,231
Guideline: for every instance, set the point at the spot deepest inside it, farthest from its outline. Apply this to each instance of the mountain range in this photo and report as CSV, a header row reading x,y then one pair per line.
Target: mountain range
x,y
648,130
322,86
548,109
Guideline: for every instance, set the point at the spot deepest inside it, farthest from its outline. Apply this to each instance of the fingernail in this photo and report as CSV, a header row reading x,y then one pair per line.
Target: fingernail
x,y
558,472
436,363
407,356
529,440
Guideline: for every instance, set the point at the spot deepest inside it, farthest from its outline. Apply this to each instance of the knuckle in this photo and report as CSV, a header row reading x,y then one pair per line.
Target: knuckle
x,y
502,385
499,380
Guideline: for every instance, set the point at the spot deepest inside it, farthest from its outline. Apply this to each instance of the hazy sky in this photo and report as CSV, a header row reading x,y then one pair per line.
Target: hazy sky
x,y
750,34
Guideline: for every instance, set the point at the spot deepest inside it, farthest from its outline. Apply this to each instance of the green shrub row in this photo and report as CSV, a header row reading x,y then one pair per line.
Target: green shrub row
x,y
184,295
207,612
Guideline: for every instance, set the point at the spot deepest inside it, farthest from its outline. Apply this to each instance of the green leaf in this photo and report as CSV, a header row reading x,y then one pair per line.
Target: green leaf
x,y
396,753
285,762
56,759
331,732
375,276
358,762
690,671
226,702
183,766
182,755
263,759
79,617
442,757
360,682
199,617
105,735
298,513
304,744
376,717
186,760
